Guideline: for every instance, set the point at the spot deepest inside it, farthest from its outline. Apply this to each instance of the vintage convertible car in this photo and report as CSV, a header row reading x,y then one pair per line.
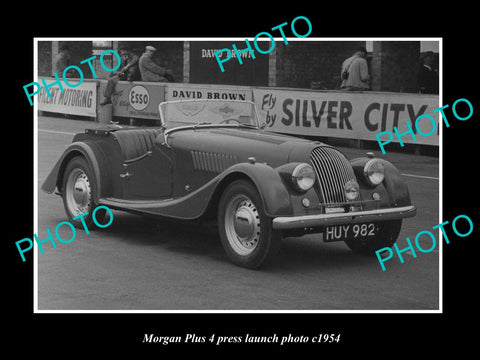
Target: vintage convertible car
x,y
212,159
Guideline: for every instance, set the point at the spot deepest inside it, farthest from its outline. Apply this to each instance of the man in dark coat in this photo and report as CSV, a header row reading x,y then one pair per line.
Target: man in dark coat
x,y
427,76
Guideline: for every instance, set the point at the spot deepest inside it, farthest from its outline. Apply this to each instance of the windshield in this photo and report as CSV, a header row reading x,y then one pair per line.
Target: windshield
x,y
208,112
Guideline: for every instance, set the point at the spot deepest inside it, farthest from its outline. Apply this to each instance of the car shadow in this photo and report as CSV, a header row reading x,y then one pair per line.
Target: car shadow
x,y
311,252
196,238
173,235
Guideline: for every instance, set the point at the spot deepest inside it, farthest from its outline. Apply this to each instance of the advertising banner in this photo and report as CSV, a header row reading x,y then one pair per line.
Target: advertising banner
x,y
347,114
78,100
176,91
136,99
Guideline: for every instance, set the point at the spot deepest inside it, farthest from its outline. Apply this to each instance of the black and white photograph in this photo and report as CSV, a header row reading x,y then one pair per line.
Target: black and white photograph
x,y
172,174
275,182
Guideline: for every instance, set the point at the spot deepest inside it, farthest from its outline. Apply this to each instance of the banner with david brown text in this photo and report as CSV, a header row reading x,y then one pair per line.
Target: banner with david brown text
x,y
177,91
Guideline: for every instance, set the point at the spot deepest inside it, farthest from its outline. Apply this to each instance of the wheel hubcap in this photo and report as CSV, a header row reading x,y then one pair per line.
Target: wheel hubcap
x,y
81,191
243,222
242,225
78,192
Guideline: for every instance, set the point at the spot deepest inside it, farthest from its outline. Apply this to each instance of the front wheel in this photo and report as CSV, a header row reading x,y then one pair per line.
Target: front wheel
x,y
245,231
387,235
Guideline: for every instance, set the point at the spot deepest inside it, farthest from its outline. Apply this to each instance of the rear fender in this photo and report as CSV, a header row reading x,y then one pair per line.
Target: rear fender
x,y
96,160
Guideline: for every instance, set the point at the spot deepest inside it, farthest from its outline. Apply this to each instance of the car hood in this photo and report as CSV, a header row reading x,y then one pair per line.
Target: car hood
x,y
266,147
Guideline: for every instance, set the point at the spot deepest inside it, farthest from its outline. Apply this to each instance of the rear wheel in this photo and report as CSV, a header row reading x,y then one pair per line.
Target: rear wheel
x,y
78,189
245,231
386,236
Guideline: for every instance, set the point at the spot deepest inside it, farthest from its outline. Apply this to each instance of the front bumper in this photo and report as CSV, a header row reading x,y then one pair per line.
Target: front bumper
x,y
307,221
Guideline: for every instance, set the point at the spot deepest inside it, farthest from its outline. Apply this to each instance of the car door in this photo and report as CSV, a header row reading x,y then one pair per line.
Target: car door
x,y
149,177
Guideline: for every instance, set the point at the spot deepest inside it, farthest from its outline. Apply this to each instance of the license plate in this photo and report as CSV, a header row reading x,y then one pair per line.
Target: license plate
x,y
349,231
329,210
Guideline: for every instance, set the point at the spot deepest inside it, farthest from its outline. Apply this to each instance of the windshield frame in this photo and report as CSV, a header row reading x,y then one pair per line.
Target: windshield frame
x,y
208,125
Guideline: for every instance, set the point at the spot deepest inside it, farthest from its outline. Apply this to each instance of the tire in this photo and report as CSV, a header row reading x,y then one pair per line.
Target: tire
x,y
386,236
78,188
245,231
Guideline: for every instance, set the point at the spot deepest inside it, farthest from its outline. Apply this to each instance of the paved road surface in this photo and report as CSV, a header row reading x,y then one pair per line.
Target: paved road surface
x,y
143,264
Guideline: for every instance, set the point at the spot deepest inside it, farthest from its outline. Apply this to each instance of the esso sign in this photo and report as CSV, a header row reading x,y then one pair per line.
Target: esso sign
x,y
138,97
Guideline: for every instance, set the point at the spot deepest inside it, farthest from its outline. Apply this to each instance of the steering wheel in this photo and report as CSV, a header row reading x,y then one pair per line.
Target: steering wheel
x,y
227,121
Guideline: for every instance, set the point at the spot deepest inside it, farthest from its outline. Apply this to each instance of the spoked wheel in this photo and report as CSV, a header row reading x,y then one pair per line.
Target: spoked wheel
x,y
78,189
246,232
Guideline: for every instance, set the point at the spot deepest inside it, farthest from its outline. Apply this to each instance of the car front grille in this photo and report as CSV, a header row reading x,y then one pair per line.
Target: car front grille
x,y
333,171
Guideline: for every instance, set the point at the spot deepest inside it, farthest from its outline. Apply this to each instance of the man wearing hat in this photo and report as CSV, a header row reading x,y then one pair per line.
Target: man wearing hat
x,y
128,72
427,77
150,71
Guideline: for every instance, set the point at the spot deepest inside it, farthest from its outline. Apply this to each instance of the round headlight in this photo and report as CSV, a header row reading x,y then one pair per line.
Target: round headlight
x,y
374,172
303,177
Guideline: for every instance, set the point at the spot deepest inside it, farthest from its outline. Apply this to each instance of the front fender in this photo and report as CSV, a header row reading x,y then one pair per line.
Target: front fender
x,y
393,183
94,156
273,192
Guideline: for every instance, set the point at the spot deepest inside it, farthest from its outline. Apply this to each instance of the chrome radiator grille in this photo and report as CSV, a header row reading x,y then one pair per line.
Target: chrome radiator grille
x,y
333,171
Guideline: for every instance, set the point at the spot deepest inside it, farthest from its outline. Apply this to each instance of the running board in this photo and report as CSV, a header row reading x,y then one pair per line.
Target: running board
x,y
179,208
135,204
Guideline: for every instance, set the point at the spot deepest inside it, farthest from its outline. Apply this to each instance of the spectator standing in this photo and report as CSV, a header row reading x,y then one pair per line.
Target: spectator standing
x,y
355,76
150,71
61,61
427,76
